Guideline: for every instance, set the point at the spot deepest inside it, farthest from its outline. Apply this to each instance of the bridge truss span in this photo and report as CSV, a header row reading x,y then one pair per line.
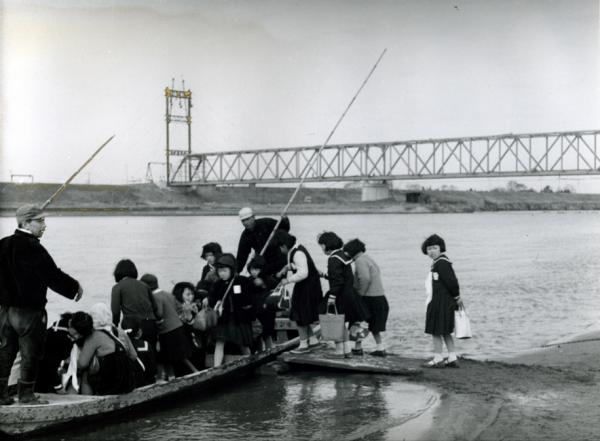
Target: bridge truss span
x,y
542,154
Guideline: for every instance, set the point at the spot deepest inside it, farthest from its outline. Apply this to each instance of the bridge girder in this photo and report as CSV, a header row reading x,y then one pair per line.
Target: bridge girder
x,y
539,154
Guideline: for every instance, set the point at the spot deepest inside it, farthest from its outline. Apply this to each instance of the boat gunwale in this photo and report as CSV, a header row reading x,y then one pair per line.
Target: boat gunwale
x,y
26,418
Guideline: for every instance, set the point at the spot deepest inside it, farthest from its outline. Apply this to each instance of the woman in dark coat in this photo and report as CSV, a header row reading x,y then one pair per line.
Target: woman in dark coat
x,y
307,293
237,308
443,299
341,287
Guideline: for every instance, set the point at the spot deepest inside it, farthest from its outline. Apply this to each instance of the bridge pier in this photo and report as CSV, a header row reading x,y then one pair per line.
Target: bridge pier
x,y
375,191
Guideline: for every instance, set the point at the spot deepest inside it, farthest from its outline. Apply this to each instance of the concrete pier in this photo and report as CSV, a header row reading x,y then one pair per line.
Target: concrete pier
x,y
375,191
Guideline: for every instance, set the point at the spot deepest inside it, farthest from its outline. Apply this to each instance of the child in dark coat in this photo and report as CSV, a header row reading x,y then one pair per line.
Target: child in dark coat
x,y
231,297
210,253
145,352
341,288
442,300
263,284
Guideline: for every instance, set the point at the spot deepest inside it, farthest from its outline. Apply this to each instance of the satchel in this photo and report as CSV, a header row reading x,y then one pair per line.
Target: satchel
x,y
333,326
272,300
462,324
285,300
205,319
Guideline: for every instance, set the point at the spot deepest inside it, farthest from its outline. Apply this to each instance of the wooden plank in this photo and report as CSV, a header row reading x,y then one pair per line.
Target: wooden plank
x,y
323,358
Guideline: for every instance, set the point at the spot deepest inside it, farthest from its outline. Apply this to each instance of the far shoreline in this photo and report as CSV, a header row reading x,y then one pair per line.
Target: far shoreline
x,y
182,212
152,200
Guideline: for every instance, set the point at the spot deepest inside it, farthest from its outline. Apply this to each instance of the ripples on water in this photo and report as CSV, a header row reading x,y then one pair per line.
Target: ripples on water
x,y
304,406
526,278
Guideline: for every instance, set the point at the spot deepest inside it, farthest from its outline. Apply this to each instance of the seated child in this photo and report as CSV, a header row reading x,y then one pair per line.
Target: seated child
x,y
104,361
56,349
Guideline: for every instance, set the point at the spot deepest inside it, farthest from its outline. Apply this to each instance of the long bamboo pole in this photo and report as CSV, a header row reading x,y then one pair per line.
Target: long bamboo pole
x,y
308,168
219,306
64,186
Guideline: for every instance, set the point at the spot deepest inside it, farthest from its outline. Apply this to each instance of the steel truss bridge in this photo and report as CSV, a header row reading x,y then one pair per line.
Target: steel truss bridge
x,y
509,155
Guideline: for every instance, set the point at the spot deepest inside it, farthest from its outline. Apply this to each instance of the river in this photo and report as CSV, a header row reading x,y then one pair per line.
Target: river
x,y
526,278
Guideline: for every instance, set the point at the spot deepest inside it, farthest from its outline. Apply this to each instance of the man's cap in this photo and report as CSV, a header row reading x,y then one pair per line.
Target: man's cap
x,y
29,212
245,213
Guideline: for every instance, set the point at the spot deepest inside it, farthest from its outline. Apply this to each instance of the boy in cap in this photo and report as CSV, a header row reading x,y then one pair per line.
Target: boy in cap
x,y
26,272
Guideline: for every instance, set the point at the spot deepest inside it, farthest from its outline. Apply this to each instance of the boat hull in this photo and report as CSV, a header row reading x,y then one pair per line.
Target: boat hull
x,y
18,420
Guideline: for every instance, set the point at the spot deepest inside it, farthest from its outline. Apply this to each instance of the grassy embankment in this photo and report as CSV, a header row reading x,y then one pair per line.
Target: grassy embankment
x,y
151,199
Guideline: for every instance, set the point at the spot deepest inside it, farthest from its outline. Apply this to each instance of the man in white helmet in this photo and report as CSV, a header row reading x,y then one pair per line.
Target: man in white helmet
x,y
255,235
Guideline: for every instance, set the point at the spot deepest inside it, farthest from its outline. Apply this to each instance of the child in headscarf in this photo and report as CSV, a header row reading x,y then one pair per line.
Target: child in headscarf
x,y
103,320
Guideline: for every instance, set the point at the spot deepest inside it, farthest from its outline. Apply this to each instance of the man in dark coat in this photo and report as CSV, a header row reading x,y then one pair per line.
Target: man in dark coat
x,y
254,237
26,272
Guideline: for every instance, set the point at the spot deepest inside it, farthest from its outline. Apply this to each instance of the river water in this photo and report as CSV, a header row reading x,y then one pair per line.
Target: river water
x,y
526,278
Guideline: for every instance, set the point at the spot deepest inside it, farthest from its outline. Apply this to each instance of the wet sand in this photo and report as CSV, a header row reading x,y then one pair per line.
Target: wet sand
x,y
547,394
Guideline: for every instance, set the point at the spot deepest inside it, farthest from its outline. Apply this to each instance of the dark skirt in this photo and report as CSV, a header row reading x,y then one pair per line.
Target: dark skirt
x,y
378,310
116,374
174,346
352,305
305,307
238,333
440,315
266,317
149,331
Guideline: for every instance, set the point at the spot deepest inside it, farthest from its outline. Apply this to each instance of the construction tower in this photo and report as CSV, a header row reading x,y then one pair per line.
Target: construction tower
x,y
178,118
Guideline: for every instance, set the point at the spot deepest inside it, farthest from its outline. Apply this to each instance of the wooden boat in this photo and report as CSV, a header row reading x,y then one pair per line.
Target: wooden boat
x,y
18,420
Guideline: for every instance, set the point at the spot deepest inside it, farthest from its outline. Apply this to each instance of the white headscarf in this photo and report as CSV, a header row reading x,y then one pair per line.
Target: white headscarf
x,y
102,317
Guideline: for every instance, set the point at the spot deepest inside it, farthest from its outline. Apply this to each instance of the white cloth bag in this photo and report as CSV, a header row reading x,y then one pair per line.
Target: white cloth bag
x,y
429,287
462,324
71,374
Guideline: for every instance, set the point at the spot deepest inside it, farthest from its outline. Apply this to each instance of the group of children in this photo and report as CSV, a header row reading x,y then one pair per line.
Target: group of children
x,y
226,310
162,334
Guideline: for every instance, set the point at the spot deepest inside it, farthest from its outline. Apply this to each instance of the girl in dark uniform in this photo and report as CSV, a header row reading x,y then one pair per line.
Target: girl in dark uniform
x,y
237,308
307,293
341,288
210,252
443,299
263,284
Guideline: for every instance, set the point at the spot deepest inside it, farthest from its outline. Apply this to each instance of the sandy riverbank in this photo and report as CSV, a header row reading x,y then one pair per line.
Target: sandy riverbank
x,y
547,394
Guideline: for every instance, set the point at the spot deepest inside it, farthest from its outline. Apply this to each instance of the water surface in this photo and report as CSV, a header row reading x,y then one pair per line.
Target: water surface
x,y
526,278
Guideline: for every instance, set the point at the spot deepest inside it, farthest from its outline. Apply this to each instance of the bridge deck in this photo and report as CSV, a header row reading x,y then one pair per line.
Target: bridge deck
x,y
540,154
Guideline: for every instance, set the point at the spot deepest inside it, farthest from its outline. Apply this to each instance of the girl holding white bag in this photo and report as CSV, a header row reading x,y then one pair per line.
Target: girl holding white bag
x,y
443,300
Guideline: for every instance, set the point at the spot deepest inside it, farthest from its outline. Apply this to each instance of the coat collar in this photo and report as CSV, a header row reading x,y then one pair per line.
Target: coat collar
x,y
26,233
340,255
441,257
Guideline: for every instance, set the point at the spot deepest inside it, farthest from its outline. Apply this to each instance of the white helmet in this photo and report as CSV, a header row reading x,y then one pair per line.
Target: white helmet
x,y
245,213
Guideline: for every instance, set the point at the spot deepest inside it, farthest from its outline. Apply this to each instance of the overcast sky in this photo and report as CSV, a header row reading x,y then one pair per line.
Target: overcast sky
x,y
279,73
